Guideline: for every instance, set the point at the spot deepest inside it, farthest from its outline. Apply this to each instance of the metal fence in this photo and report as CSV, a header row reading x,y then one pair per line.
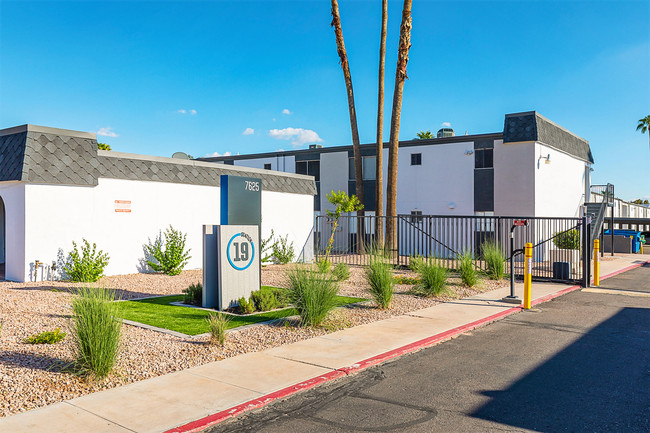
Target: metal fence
x,y
442,239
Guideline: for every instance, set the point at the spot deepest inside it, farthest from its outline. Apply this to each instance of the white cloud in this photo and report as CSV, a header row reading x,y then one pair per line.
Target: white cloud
x,y
298,136
192,112
182,111
446,124
286,111
248,131
274,119
215,154
106,132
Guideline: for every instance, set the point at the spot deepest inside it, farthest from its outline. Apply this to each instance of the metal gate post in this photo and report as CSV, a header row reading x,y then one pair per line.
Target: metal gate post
x,y
585,253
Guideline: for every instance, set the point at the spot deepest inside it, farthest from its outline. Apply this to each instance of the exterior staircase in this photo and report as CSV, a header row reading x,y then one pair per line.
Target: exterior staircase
x,y
604,194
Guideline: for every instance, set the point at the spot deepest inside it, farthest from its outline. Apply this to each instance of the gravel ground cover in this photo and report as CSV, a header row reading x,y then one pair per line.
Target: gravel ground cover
x,y
31,376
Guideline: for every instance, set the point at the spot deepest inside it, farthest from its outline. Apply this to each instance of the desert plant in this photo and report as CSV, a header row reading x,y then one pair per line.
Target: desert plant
x,y
324,265
170,256
569,240
433,280
47,337
193,295
246,306
283,251
265,299
218,324
87,266
341,271
466,269
494,260
380,278
96,330
416,262
313,294
403,279
266,245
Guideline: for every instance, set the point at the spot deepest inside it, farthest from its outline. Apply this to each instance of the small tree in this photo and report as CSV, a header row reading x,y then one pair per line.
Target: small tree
x,y
87,266
343,203
644,125
423,135
103,146
170,255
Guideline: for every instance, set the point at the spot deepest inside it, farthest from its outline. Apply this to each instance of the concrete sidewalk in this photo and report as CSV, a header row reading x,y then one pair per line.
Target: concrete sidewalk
x,y
216,391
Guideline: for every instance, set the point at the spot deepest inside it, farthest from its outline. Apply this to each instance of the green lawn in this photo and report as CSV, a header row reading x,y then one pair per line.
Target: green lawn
x,y
158,312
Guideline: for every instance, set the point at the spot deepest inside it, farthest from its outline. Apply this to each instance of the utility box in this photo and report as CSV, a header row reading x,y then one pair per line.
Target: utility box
x,y
231,264
622,244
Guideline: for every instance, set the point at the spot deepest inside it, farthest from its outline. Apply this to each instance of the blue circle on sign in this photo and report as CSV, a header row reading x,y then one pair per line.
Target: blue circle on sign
x,y
239,268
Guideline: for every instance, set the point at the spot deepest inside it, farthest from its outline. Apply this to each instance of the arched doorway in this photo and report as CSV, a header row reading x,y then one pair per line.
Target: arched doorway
x,y
2,239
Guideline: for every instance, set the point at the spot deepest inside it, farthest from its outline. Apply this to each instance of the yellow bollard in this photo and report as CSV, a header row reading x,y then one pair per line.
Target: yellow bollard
x,y
596,262
528,274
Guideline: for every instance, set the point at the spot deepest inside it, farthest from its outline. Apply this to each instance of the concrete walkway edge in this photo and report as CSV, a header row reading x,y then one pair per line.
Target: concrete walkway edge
x,y
260,402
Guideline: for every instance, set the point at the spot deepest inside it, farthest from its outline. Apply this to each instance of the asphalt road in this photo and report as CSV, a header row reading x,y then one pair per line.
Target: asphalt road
x,y
579,363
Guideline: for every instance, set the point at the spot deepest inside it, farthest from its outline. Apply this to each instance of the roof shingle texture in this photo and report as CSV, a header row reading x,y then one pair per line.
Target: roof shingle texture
x,y
534,127
37,157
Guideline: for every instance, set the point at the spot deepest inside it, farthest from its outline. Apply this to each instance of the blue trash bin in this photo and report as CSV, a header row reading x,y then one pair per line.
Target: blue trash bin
x,y
636,237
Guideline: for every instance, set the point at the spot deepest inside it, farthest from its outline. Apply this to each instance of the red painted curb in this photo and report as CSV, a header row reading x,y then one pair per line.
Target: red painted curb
x,y
218,417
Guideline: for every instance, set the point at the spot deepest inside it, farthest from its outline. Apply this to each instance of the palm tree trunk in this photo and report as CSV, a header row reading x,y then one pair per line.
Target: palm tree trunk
x,y
358,176
379,178
400,76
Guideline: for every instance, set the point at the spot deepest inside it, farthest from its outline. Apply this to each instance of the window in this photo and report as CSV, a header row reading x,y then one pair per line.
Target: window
x,y
311,168
267,166
416,215
369,168
416,159
483,158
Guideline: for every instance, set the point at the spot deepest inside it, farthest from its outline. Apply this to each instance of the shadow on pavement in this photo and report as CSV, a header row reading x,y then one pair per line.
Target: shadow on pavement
x,y
584,389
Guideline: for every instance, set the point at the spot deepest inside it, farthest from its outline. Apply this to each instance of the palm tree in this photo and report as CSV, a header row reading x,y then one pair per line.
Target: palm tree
x,y
423,135
400,76
340,45
644,125
379,177
356,148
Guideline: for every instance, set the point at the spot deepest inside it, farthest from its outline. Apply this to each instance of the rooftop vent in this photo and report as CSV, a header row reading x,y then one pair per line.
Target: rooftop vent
x,y
445,132
315,146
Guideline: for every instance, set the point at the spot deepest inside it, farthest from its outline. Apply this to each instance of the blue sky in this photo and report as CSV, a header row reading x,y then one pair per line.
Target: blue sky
x,y
243,77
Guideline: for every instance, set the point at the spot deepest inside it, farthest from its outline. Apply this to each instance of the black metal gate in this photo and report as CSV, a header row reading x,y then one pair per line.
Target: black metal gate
x,y
558,243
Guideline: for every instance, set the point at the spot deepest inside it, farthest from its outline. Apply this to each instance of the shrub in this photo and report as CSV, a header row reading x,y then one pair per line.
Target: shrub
x,y
569,240
87,266
47,337
433,281
416,263
313,294
170,255
494,260
403,279
265,246
265,299
283,251
466,269
218,324
380,278
324,265
193,294
97,331
341,271
246,307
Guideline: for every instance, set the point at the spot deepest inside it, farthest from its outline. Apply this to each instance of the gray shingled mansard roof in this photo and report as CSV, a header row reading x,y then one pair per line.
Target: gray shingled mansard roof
x,y
532,126
518,127
37,154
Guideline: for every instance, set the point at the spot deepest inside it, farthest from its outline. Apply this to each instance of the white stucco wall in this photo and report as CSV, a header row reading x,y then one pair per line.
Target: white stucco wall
x,y
13,196
285,164
55,215
446,176
333,176
559,185
514,179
